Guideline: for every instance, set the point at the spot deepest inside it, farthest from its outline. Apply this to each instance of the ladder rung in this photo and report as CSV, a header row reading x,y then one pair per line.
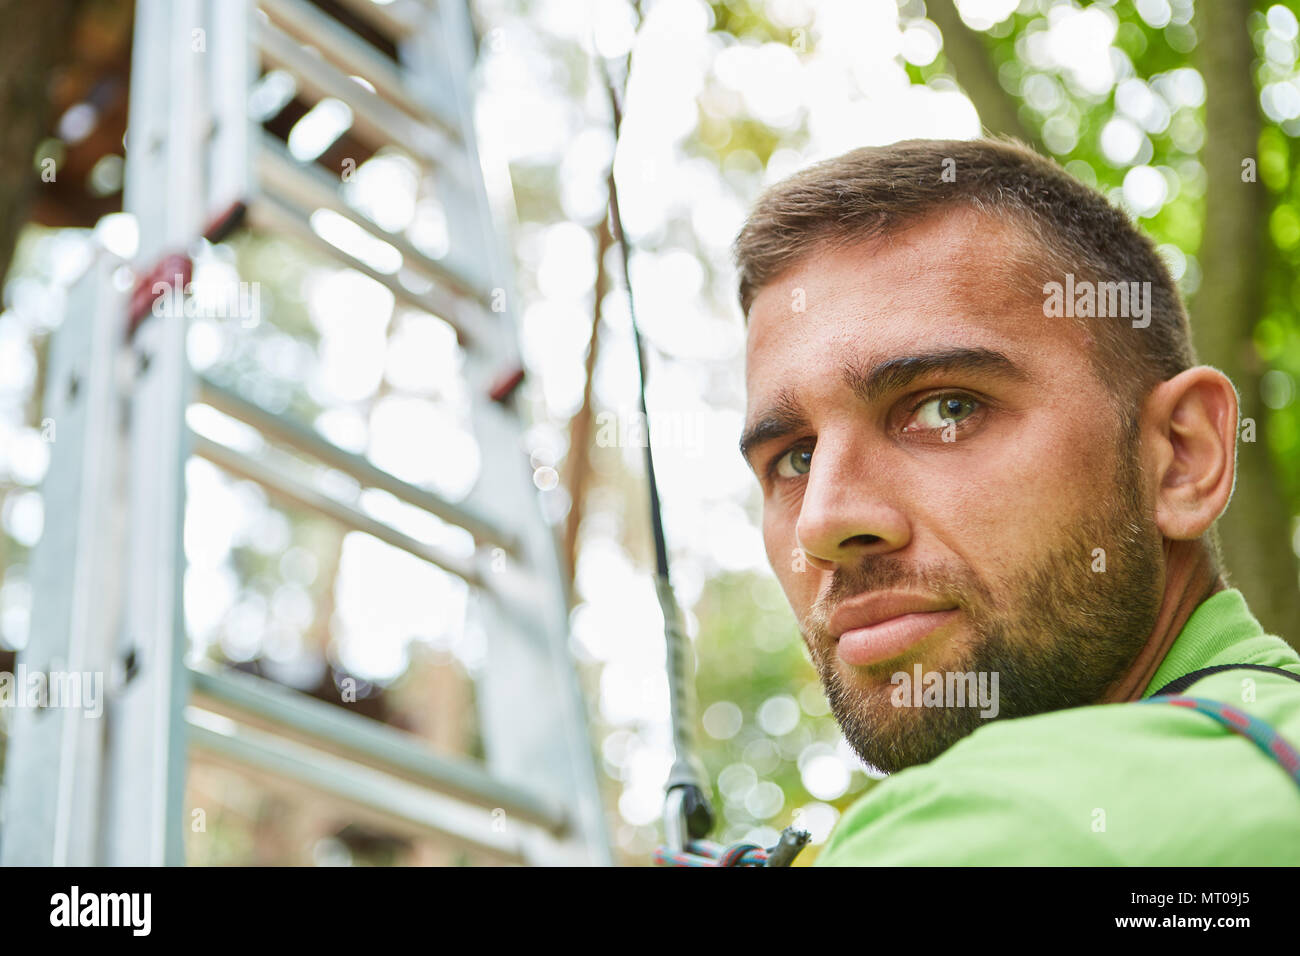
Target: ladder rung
x,y
377,797
268,706
305,440
310,188
373,117
306,23
397,19
274,215
296,493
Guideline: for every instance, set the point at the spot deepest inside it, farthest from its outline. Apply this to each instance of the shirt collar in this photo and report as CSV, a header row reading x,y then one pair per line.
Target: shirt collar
x,y
1211,636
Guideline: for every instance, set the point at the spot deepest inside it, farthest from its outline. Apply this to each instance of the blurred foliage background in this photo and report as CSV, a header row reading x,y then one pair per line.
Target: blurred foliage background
x,y
1183,113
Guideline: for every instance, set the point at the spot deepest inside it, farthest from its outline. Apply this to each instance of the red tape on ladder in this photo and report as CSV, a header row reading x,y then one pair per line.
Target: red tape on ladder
x,y
174,272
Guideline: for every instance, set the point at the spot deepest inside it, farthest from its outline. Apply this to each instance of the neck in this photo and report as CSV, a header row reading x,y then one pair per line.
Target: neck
x,y
1189,579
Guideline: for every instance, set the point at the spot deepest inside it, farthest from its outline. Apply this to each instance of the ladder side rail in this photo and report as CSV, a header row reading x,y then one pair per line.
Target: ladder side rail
x,y
232,72
530,669
51,784
144,814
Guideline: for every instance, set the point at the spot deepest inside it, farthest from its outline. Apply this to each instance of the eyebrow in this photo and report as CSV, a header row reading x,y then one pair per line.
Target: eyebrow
x,y
898,373
787,416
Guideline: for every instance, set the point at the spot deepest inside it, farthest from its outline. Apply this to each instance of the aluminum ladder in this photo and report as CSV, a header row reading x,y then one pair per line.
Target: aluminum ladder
x,y
107,574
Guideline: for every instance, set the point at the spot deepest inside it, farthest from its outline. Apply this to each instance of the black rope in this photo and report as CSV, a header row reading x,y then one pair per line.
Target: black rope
x,y
616,221
686,772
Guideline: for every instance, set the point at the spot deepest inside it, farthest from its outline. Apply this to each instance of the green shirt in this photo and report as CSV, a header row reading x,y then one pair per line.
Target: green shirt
x,y
1111,784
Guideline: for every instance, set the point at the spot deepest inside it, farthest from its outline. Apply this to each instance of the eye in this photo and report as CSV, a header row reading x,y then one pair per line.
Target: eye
x,y
940,411
793,463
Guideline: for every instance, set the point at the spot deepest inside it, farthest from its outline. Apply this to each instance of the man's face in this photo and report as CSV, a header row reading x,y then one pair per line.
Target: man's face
x,y
945,484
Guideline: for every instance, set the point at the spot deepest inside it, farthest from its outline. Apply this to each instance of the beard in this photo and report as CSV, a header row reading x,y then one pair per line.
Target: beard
x,y
1058,634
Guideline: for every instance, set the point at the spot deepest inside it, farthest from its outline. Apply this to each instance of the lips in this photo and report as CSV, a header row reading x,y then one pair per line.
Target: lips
x,y
880,626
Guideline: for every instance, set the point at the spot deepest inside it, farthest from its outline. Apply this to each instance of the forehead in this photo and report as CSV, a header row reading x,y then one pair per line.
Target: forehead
x,y
959,279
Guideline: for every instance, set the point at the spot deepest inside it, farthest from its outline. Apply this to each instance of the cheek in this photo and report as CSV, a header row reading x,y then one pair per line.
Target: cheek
x,y
1019,498
779,543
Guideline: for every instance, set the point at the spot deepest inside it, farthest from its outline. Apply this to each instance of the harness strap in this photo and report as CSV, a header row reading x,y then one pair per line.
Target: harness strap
x,y
1181,684
1260,732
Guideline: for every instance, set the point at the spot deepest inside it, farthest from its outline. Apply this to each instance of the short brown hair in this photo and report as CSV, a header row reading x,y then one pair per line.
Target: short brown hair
x,y
876,190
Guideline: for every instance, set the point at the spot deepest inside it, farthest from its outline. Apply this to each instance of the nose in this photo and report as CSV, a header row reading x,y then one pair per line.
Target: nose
x,y
846,513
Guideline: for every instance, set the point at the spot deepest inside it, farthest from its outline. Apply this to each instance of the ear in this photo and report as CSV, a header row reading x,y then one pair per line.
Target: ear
x,y
1191,426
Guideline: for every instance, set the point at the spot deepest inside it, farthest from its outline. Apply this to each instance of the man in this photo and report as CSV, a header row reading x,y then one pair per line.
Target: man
x,y
991,467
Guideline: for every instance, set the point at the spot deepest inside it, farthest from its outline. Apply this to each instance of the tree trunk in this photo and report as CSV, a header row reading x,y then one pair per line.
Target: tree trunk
x,y
1256,529
969,57
34,40
578,465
